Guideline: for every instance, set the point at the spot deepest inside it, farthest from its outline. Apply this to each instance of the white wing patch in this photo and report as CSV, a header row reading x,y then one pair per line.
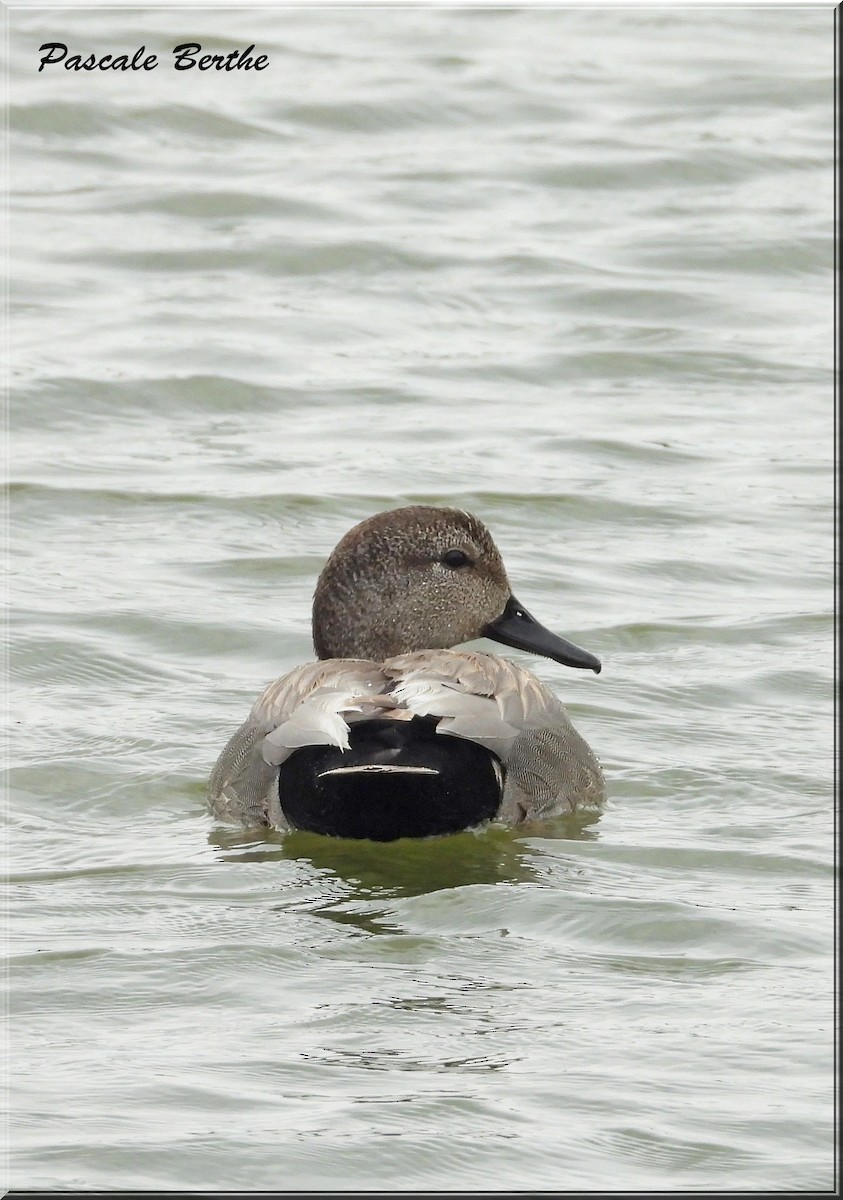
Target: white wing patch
x,y
480,697
315,704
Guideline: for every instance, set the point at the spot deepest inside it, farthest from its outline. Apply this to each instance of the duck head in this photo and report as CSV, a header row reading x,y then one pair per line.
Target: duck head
x,y
424,578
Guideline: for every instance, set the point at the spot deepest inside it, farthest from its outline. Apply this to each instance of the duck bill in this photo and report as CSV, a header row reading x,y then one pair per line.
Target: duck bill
x,y
515,627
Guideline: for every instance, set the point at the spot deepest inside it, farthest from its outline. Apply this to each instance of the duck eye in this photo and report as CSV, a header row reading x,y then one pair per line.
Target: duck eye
x,y
454,559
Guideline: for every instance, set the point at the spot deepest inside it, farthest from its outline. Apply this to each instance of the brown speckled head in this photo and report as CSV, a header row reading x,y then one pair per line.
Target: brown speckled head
x,y
417,578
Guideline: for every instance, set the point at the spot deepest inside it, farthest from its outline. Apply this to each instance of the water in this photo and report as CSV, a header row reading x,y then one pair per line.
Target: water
x,y
570,269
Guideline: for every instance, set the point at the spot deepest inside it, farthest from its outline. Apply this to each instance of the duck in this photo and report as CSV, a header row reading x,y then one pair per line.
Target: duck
x,y
392,731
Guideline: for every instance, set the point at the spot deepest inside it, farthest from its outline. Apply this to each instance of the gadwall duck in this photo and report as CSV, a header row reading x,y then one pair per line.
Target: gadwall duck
x,y
352,745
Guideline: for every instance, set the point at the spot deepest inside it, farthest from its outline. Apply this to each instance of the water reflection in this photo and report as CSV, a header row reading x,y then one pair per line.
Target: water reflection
x,y
409,866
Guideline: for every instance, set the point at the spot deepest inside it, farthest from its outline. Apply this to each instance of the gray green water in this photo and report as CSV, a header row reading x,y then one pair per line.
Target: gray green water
x,y
570,269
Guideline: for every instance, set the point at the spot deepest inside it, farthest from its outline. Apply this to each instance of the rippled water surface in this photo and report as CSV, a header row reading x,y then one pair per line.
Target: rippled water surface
x,y
570,269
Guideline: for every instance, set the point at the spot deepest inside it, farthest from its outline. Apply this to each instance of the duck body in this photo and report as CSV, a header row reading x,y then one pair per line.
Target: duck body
x,y
392,732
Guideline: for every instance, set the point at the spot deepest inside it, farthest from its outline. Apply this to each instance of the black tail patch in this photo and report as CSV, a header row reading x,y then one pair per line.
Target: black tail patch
x,y
397,779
